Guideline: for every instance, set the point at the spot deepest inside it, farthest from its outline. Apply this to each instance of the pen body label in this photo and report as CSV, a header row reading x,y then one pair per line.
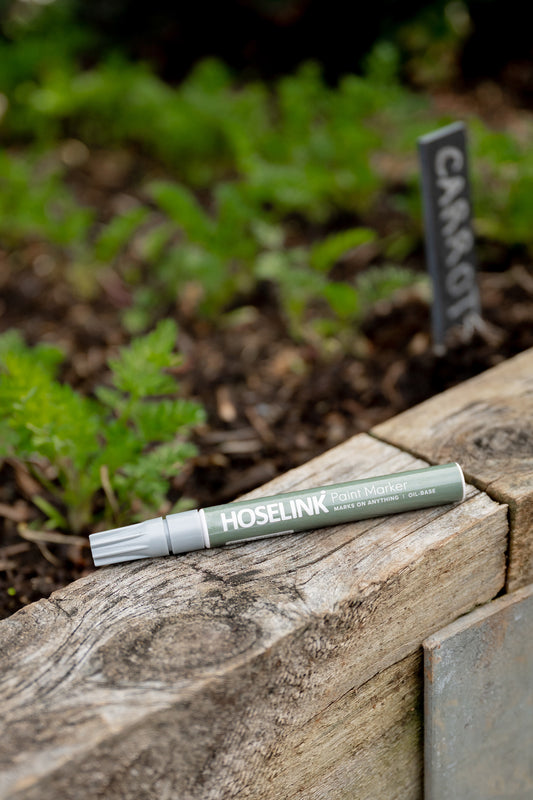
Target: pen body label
x,y
332,505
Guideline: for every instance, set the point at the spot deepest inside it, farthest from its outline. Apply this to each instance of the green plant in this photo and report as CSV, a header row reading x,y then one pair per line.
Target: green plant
x,y
432,42
38,42
215,251
502,186
229,251
123,444
299,146
303,280
244,161
34,202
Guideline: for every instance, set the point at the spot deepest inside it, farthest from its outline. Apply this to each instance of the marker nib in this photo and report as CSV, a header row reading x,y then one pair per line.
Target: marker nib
x,y
142,540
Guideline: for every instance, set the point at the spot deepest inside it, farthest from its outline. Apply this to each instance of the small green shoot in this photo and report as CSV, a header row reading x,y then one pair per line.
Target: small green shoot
x,y
124,444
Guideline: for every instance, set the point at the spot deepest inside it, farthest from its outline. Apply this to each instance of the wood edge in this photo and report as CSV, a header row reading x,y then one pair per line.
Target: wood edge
x,y
475,617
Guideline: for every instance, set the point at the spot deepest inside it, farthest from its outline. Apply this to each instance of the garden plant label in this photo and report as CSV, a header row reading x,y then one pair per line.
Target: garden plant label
x,y
449,236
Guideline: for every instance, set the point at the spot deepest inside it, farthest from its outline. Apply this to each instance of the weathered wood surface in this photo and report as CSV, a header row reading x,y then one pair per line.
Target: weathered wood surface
x,y
486,424
284,668
478,719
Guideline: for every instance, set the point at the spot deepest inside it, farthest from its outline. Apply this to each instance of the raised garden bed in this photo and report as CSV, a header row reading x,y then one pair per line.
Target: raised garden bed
x,y
287,667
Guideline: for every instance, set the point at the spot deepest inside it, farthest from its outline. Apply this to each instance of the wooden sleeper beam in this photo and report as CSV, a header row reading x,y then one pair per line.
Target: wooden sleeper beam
x,y
286,667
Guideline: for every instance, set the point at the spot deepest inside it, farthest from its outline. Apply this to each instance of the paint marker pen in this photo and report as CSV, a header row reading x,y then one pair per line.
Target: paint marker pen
x,y
246,520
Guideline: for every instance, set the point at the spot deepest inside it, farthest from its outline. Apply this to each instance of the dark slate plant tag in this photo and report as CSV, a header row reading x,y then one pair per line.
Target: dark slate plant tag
x,y
450,247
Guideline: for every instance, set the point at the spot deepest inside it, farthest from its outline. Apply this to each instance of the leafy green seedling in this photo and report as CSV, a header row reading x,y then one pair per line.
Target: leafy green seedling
x,y
126,442
382,282
324,254
183,209
118,232
34,202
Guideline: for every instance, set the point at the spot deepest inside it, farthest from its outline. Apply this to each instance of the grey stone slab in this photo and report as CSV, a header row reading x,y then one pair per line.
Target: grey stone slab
x,y
478,692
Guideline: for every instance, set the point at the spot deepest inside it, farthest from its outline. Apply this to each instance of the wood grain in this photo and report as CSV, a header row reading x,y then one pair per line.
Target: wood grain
x,y
486,424
286,667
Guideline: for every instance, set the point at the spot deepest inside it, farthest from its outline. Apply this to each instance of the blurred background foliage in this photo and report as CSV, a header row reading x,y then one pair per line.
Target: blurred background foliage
x,y
277,137
268,38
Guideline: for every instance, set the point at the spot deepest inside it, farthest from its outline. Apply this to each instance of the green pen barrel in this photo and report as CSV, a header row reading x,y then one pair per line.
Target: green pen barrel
x,y
333,504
